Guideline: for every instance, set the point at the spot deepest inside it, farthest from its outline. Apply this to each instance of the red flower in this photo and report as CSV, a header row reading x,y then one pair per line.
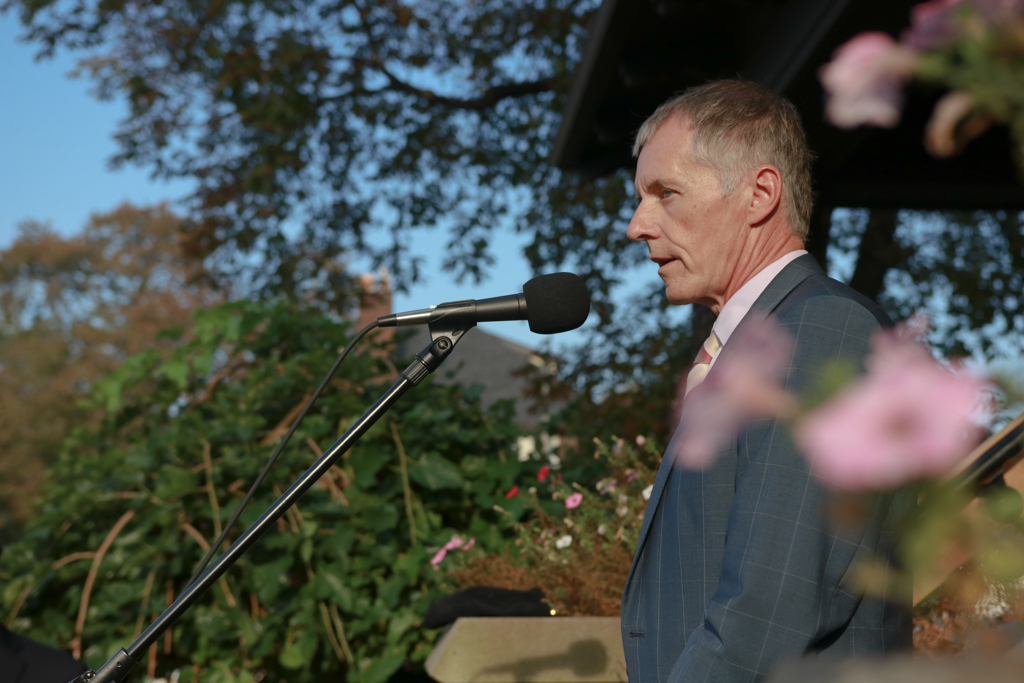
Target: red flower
x,y
543,474
513,492
559,477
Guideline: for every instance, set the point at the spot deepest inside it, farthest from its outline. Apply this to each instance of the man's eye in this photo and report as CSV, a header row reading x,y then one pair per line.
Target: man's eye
x,y
665,194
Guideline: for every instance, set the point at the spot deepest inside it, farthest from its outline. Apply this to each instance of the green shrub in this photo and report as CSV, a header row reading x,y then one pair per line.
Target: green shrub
x,y
345,575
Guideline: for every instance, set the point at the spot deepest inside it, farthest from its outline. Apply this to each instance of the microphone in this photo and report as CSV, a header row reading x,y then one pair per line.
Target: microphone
x,y
553,303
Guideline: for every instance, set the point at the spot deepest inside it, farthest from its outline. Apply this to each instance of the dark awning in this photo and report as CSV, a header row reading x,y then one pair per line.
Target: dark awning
x,y
642,51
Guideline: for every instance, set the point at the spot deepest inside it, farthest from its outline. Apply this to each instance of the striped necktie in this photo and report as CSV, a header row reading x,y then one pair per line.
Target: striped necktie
x,y
702,363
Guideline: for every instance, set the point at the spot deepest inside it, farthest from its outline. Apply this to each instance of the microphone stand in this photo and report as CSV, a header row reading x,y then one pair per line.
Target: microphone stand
x,y
444,336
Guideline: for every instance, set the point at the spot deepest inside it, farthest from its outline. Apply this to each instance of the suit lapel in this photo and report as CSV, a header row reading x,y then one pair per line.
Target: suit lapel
x,y
785,282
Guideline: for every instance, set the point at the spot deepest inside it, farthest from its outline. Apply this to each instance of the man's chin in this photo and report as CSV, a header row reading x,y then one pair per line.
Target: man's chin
x,y
677,298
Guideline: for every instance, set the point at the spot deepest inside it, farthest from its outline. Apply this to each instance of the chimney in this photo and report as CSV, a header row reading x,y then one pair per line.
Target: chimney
x,y
375,301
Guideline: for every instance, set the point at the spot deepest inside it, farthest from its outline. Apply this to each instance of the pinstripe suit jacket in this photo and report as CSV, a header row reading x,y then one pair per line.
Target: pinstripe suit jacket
x,y
736,566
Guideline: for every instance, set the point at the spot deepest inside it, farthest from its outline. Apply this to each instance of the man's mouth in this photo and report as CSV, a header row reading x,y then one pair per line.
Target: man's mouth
x,y
661,261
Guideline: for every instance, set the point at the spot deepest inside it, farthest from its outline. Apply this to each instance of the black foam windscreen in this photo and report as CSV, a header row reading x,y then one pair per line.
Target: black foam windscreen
x,y
558,302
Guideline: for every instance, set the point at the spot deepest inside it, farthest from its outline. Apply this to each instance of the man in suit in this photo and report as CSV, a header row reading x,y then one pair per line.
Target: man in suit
x,y
738,565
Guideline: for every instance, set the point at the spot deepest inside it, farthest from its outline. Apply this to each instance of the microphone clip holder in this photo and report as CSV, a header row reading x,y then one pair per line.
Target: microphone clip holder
x,y
443,338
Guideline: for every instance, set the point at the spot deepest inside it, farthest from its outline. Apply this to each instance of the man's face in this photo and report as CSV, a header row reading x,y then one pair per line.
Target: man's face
x,y
692,232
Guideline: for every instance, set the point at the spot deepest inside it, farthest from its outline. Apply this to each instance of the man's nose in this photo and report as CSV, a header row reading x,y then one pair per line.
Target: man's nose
x,y
641,228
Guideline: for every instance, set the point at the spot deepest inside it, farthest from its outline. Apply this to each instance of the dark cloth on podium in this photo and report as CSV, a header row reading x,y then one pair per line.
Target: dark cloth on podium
x,y
486,601
737,566
23,660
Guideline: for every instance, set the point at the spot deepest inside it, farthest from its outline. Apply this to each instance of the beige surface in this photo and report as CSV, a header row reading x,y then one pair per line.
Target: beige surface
x,y
530,650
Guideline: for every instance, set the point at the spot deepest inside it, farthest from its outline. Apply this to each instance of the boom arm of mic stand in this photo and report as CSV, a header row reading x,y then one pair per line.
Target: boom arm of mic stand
x,y
444,337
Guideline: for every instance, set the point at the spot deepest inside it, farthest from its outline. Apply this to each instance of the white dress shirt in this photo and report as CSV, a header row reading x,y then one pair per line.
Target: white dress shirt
x,y
737,307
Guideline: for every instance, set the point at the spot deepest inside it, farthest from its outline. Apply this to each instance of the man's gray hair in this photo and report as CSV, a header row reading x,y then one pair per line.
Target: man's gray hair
x,y
737,126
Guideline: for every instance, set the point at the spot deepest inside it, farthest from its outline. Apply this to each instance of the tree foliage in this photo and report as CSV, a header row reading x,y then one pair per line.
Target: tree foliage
x,y
339,585
964,270
355,121
71,310
319,131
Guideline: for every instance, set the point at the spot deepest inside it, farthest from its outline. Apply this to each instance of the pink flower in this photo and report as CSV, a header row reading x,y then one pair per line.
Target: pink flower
x,y
470,543
932,25
438,556
573,501
641,440
940,23
864,81
454,543
998,11
908,418
514,491
543,473
744,383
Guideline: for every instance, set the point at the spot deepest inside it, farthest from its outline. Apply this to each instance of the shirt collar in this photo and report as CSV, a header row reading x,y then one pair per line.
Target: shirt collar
x,y
737,307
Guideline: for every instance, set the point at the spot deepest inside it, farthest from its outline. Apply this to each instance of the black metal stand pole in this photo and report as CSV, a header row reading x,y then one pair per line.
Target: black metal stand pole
x,y
118,667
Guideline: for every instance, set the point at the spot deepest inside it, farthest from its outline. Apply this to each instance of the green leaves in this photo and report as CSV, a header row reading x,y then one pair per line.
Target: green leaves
x,y
175,481
347,548
435,472
331,588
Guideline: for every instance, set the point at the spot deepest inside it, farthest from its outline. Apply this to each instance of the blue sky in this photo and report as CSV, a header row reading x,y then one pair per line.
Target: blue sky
x,y
56,138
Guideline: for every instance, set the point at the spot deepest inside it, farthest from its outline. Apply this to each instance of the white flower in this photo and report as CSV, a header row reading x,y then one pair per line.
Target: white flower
x,y
550,443
641,440
600,530
646,493
564,542
526,446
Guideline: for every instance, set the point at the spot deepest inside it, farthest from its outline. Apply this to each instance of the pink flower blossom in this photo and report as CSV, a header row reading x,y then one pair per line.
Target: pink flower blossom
x,y
438,556
939,23
998,11
641,440
932,25
908,417
573,501
865,79
744,383
454,543
470,543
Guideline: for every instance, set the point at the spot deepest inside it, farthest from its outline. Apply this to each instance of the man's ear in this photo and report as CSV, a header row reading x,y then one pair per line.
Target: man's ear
x,y
767,196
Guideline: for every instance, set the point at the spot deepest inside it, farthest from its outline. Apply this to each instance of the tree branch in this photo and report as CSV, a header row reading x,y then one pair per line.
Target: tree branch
x,y
488,99
83,604
878,252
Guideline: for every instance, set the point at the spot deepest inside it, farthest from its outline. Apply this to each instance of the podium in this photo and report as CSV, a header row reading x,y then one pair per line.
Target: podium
x,y
530,650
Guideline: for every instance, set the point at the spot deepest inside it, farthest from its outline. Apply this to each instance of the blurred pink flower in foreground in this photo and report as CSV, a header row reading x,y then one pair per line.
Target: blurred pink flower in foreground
x,y
574,500
932,25
940,23
865,79
908,418
744,383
